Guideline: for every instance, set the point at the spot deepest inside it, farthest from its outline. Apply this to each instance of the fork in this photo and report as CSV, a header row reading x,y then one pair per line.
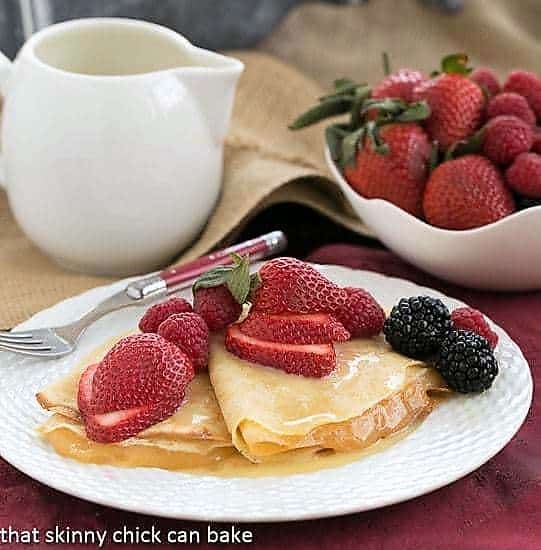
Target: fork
x,y
59,341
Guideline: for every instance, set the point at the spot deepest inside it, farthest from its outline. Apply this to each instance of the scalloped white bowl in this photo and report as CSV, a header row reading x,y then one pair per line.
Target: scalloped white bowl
x,y
504,255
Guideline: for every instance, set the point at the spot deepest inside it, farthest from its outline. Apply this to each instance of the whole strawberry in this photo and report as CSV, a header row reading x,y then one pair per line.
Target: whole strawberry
x,y
505,137
487,80
510,103
526,84
288,285
158,313
399,85
398,176
466,192
524,175
456,103
218,295
467,318
189,332
362,316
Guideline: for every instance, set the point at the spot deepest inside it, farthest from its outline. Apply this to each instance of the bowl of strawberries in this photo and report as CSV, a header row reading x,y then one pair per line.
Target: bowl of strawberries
x,y
445,169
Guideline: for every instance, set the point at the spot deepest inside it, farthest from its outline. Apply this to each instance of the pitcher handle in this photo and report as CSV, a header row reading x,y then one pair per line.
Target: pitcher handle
x,y
5,71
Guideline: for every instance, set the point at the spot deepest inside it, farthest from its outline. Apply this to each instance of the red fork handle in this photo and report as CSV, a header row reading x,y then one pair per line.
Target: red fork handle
x,y
258,248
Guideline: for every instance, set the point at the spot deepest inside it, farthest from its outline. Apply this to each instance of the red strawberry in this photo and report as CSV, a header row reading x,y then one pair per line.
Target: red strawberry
x,y
361,314
189,332
398,176
524,175
528,85
505,137
84,393
510,103
399,85
456,104
467,318
314,360
140,370
217,306
287,285
116,426
295,328
466,192
487,80
157,313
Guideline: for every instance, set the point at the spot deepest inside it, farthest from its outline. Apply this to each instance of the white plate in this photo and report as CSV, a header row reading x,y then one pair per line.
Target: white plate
x,y
455,439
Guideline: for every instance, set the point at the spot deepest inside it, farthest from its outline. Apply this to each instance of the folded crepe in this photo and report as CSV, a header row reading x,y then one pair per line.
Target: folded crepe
x,y
372,394
196,435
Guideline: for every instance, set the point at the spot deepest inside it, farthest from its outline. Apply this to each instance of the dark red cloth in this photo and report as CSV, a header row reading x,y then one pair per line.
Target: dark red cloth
x,y
496,507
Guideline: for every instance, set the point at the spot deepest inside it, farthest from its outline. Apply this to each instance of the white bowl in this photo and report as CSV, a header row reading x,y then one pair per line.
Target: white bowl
x,y
504,255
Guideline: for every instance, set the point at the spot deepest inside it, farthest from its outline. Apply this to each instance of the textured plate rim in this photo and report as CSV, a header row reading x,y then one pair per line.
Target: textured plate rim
x,y
349,507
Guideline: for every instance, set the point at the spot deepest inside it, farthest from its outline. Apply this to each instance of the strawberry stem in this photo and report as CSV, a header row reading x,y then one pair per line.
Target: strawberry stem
x,y
386,63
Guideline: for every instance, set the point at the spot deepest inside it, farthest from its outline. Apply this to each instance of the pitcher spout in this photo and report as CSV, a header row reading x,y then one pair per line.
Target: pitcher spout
x,y
212,81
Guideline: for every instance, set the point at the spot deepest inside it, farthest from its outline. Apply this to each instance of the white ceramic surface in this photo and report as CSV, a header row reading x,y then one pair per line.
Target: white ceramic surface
x,y
501,256
455,439
112,141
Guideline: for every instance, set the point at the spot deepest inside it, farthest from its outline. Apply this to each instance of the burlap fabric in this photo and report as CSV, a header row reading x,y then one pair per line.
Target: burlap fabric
x,y
265,162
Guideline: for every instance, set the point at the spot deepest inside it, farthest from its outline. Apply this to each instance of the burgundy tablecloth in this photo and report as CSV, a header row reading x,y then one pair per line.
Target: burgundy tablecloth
x,y
496,507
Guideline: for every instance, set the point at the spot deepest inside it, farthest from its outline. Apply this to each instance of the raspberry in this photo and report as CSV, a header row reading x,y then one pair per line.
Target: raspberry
x,y
513,104
505,138
417,325
467,318
524,175
536,145
189,332
487,80
217,306
154,315
466,362
528,85
361,314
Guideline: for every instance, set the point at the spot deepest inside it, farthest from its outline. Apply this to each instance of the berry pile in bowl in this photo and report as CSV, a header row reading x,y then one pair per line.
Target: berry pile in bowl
x,y
445,169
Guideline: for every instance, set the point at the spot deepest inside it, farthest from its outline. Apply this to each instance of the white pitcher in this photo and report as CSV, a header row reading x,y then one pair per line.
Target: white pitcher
x,y
112,141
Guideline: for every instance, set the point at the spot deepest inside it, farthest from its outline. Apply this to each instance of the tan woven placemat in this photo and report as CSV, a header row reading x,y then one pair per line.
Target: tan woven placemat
x,y
265,163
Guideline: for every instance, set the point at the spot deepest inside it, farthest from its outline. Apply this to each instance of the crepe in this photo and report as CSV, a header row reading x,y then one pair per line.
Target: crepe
x,y
372,394
195,435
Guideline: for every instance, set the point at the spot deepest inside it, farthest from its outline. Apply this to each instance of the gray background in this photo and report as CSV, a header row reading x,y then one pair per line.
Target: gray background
x,y
214,24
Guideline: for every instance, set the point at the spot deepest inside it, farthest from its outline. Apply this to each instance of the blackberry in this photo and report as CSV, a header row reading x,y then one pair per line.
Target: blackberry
x,y
417,325
466,362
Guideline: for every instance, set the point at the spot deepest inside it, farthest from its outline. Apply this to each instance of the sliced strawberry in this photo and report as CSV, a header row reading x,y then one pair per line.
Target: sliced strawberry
x,y
139,370
116,426
309,328
84,393
314,360
288,285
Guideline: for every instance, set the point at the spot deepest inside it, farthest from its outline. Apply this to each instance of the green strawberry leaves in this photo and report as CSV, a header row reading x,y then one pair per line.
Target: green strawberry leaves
x,y
470,146
236,277
346,95
455,63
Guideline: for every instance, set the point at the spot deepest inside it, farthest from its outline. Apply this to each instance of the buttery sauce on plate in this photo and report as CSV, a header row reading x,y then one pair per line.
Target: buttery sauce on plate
x,y
225,462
